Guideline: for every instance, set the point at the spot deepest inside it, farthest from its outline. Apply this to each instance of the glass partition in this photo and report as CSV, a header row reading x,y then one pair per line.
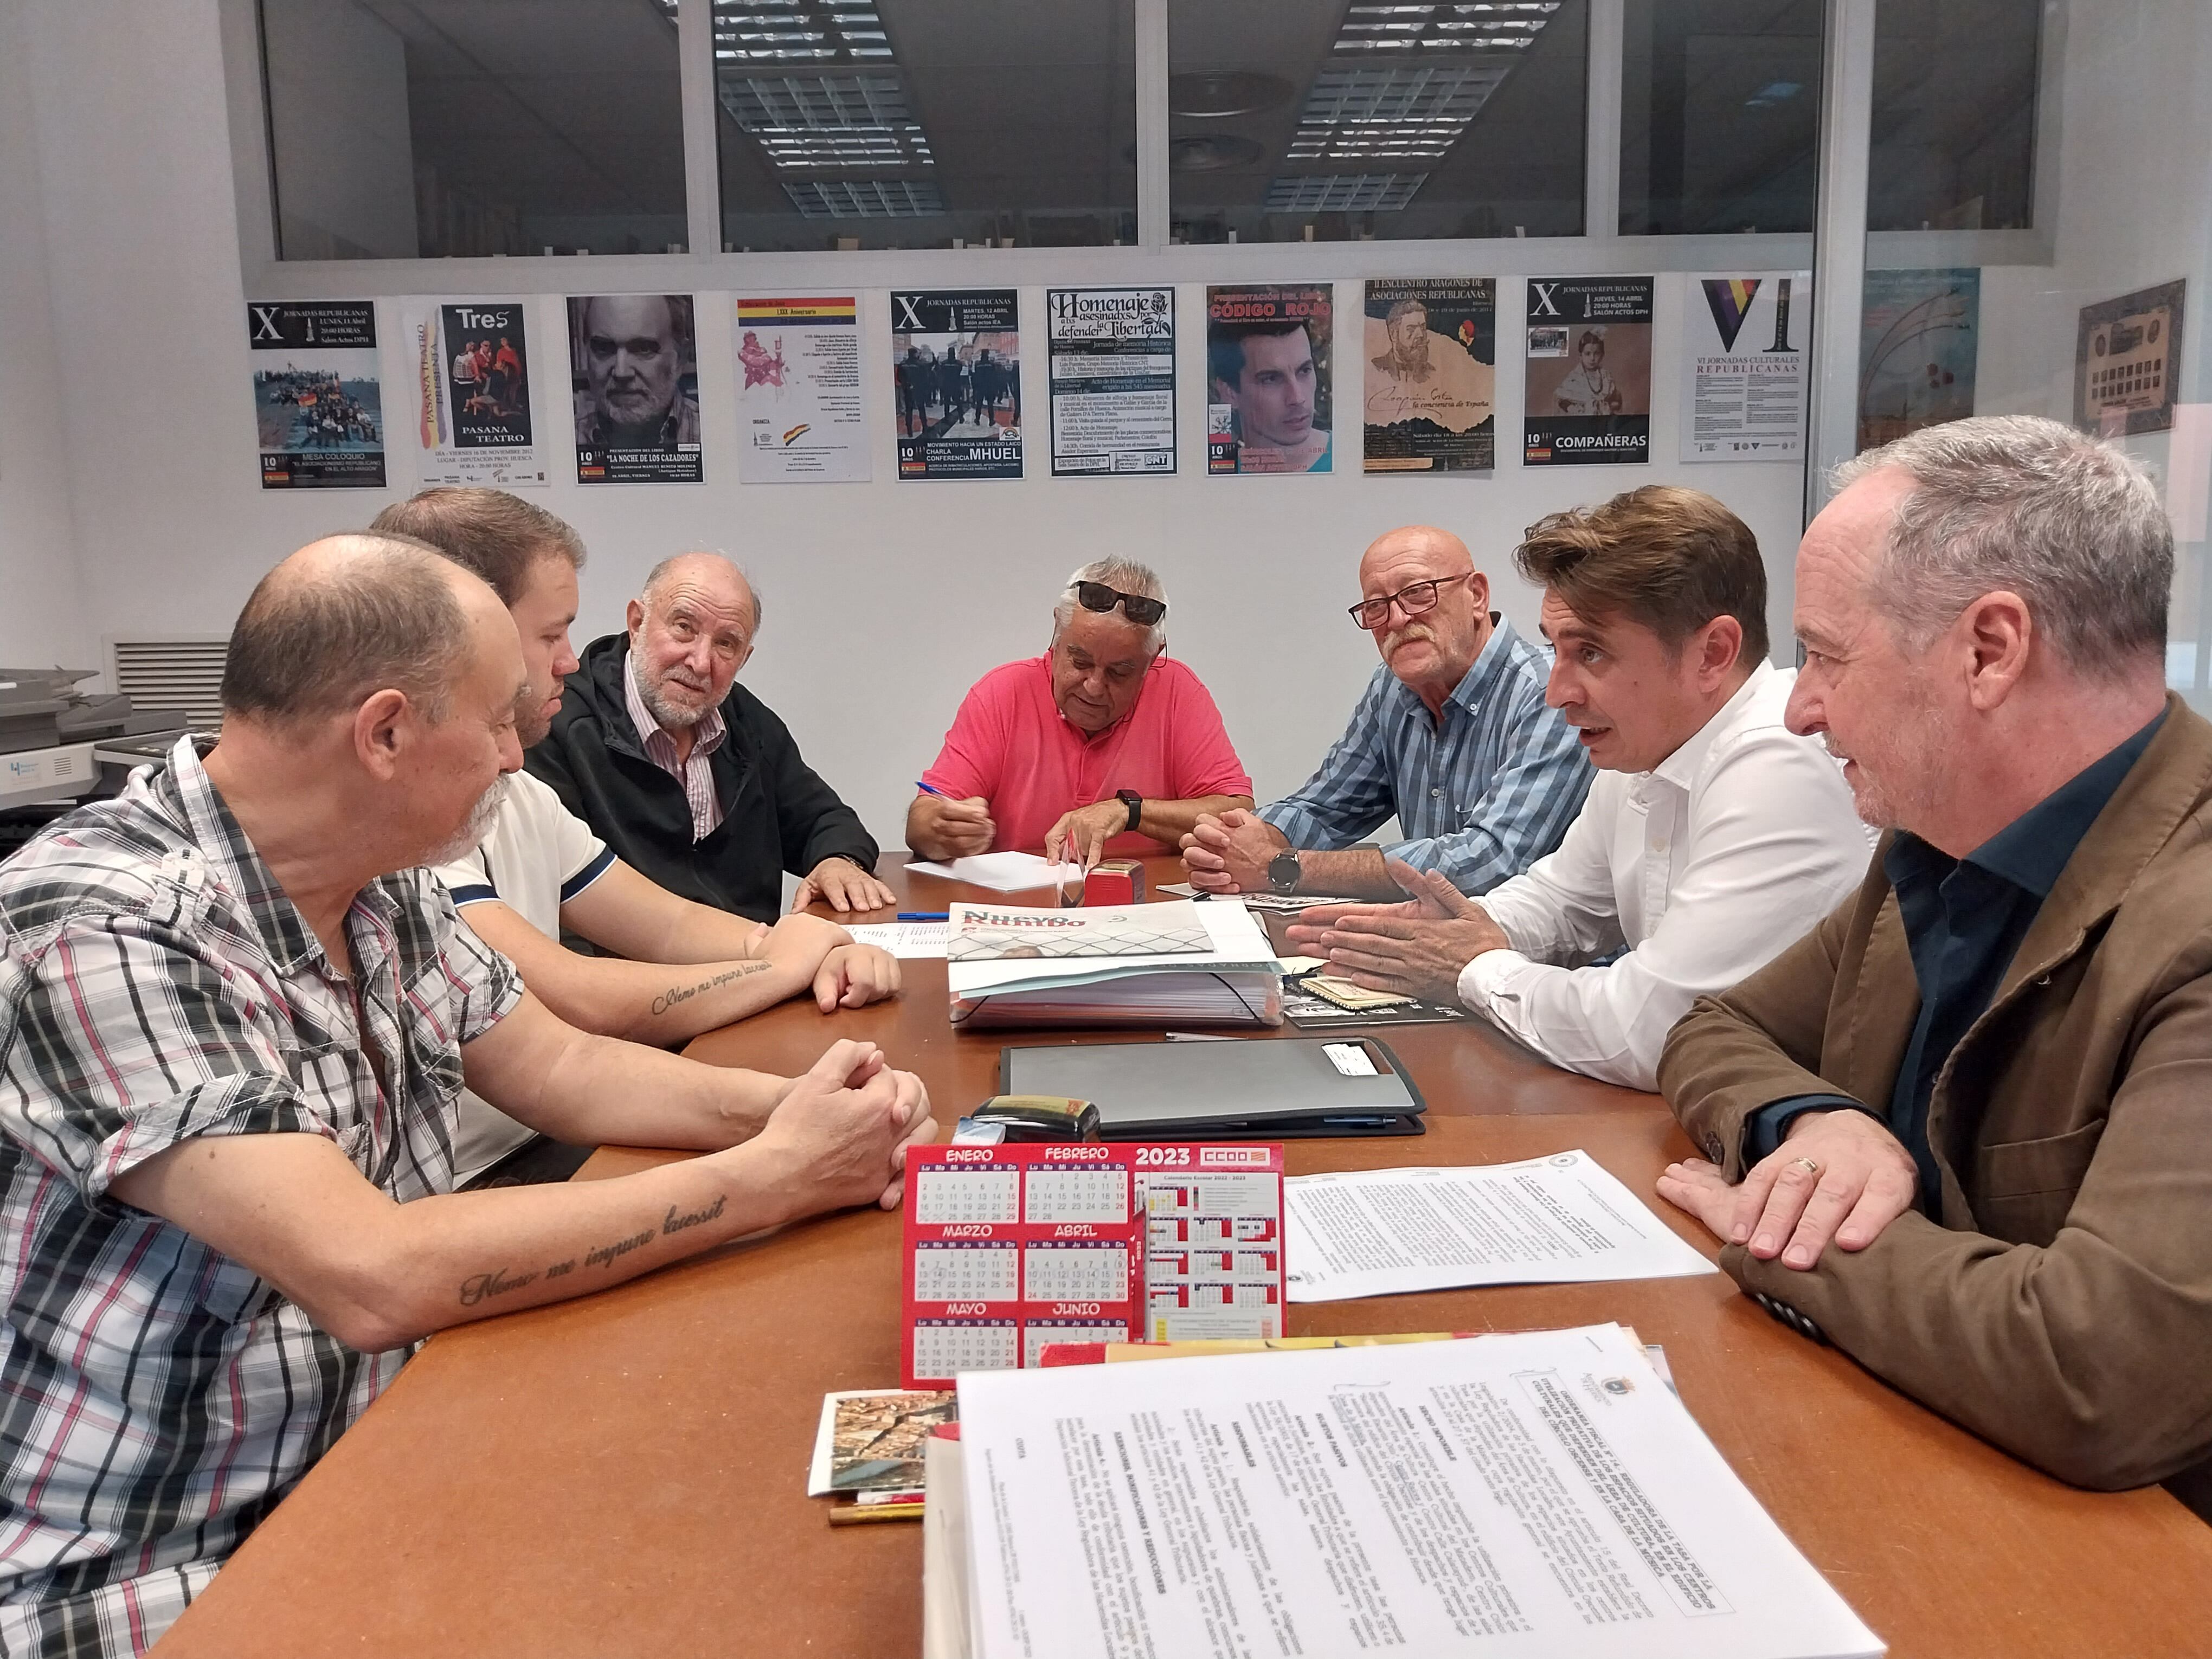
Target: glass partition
x,y
428,128
924,123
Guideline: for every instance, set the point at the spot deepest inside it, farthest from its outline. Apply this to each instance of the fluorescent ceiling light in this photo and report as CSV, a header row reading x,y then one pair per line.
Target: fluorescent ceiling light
x,y
1343,193
870,198
832,120
797,30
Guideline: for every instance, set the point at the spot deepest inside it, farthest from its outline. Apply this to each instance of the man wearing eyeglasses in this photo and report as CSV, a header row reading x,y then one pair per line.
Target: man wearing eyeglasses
x,y
1712,837
1101,745
1452,736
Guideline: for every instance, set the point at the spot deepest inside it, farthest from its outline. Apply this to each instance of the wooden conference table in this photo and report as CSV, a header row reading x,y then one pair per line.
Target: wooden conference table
x,y
624,1474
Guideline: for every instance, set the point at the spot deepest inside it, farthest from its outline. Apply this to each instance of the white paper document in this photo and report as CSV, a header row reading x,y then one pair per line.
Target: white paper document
x,y
1003,872
912,941
1536,1496
1559,1220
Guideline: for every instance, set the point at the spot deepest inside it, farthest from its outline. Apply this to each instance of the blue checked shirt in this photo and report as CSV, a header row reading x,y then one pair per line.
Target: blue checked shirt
x,y
1481,798
158,1398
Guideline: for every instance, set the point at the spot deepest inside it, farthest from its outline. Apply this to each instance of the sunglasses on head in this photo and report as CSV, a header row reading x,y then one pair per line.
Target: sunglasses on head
x,y
1096,596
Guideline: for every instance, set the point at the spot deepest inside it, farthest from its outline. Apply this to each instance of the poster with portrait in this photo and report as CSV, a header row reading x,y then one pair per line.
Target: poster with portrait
x,y
471,391
957,383
1111,358
1744,375
799,414
634,384
1431,345
1268,378
1589,372
1919,333
2127,362
317,396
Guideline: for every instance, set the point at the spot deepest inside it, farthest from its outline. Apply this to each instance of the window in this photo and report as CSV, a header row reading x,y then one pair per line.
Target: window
x,y
1341,123
1955,102
406,129
1720,116
925,122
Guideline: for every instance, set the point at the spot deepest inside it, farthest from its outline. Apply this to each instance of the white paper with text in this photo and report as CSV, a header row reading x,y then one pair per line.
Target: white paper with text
x,y
1510,1496
1559,1220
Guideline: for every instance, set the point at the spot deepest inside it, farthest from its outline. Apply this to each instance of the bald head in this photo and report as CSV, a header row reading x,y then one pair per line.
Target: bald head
x,y
349,615
1433,607
690,631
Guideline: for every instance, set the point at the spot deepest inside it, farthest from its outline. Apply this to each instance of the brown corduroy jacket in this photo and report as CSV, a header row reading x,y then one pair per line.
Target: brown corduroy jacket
x,y
2059,1301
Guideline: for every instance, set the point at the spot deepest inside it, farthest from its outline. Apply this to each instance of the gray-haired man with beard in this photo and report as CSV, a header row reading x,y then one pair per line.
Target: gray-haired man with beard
x,y
687,775
234,1015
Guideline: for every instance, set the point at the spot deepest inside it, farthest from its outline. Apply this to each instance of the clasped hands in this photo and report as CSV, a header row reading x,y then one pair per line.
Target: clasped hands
x,y
1838,1177
1415,948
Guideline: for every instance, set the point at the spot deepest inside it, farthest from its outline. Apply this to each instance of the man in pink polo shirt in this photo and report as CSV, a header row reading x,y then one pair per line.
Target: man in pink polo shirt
x,y
1101,746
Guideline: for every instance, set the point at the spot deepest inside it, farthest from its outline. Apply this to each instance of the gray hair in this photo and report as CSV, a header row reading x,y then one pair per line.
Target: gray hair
x,y
1123,576
659,574
313,643
2071,524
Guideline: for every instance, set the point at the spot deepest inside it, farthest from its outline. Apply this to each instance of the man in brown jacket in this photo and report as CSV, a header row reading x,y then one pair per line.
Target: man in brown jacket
x,y
1963,1127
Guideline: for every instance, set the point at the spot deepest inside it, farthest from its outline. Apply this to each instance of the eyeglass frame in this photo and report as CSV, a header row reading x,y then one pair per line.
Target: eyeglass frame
x,y
1116,597
1436,586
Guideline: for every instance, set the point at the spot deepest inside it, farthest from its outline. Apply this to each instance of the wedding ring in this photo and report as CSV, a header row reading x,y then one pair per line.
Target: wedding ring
x,y
1811,1166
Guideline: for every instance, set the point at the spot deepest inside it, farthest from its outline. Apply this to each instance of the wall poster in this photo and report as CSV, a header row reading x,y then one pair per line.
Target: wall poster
x,y
472,422
634,379
1744,374
1588,397
318,399
1918,334
1268,378
2127,362
800,413
957,383
1111,355
1431,345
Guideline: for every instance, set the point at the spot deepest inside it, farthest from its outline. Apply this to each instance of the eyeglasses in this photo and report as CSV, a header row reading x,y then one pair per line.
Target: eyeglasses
x,y
1371,614
1096,596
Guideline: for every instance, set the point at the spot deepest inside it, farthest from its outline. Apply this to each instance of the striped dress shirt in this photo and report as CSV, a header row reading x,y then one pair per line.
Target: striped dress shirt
x,y
693,772
1480,795
157,1397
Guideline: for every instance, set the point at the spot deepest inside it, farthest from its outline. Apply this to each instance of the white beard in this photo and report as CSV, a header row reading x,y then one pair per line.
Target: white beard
x,y
469,837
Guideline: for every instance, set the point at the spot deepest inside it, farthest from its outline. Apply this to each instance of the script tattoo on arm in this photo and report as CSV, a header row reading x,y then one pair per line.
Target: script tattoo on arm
x,y
675,993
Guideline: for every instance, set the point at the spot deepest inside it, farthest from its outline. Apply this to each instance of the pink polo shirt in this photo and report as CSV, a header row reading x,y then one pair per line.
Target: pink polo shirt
x,y
1011,744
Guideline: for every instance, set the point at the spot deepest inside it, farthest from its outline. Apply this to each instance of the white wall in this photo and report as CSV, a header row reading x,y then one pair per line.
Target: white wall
x,y
41,619
885,599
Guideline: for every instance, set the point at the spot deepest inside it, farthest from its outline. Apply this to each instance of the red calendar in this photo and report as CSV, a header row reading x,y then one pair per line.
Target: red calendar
x,y
1010,1249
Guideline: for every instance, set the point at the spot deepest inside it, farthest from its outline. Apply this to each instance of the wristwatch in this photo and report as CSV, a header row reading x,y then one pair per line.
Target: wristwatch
x,y
1134,802
1283,872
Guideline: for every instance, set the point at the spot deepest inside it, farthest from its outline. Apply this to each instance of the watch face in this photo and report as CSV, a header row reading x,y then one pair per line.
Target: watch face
x,y
1283,872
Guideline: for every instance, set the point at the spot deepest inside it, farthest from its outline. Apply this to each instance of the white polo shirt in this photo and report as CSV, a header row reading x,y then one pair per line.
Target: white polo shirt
x,y
537,857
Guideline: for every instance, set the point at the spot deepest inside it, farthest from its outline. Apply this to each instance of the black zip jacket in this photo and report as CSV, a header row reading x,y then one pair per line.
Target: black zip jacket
x,y
777,814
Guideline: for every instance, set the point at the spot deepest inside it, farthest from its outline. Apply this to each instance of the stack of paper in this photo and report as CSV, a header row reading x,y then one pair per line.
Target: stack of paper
x,y
1146,964
1004,872
1539,1493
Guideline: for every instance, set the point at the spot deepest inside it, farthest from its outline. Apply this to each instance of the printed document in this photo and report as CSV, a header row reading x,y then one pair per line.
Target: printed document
x,y
1557,1220
910,941
1004,872
1536,1496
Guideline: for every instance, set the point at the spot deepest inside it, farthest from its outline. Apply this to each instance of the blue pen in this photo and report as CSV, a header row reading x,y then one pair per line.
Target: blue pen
x,y
926,790
925,915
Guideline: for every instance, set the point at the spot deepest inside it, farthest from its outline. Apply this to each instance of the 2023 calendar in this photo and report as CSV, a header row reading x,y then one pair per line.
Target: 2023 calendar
x,y
1011,1249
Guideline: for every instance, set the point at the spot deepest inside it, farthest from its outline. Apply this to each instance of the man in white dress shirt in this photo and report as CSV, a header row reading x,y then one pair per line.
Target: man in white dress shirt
x,y
1712,839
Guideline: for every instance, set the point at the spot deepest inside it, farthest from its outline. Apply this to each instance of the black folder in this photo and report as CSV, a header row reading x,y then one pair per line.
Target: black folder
x,y
1257,1089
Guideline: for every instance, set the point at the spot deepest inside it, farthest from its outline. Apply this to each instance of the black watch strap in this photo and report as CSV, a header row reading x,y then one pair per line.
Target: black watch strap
x,y
1134,802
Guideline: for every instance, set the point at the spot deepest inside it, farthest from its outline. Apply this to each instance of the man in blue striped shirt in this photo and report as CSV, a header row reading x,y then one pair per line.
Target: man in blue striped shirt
x,y
1452,736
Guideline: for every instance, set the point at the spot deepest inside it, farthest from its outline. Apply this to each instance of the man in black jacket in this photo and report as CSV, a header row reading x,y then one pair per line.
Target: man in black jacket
x,y
686,774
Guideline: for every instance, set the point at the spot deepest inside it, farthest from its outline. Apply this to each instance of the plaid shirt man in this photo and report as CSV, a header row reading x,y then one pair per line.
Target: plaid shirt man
x,y
1481,795
157,1399
694,774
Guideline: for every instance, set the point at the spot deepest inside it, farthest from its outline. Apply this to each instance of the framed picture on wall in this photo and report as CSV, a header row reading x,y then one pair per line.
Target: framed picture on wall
x,y
2127,362
1430,346
317,395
